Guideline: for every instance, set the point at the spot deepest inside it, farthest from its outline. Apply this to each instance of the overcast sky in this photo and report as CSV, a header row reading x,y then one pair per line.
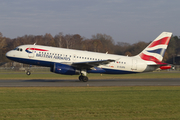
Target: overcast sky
x,y
124,20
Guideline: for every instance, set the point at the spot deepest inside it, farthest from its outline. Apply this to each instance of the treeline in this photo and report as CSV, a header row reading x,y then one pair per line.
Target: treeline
x,y
98,43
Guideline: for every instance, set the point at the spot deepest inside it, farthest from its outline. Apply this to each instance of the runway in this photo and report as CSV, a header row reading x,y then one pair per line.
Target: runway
x,y
95,83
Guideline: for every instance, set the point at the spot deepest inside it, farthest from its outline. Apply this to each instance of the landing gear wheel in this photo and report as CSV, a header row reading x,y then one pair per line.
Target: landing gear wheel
x,y
81,78
28,73
85,79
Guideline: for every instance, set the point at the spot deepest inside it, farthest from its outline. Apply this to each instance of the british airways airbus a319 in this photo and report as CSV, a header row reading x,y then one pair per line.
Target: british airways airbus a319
x,y
72,62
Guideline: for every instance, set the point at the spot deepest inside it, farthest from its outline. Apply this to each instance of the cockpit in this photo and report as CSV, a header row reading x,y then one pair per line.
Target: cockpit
x,y
18,49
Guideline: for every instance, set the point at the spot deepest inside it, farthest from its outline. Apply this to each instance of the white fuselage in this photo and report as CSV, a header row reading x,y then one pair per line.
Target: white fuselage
x,y
47,56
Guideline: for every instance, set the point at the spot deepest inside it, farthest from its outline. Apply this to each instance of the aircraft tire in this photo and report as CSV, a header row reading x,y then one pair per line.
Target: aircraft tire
x,y
28,73
85,79
81,78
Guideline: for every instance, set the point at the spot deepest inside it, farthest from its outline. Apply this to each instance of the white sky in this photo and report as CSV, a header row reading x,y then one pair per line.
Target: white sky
x,y
124,20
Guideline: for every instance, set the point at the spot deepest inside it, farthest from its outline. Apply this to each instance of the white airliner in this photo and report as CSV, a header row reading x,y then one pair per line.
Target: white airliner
x,y
71,62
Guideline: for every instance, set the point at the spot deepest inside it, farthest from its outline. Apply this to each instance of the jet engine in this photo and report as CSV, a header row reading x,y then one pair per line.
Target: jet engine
x,y
64,69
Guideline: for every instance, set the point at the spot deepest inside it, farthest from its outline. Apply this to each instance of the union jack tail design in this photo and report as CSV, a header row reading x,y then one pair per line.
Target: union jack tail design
x,y
154,52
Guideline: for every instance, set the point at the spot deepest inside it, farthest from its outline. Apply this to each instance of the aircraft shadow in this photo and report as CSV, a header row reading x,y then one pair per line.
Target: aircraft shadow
x,y
44,80
75,80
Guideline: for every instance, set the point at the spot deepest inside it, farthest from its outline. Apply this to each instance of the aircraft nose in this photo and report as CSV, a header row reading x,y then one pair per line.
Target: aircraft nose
x,y
9,54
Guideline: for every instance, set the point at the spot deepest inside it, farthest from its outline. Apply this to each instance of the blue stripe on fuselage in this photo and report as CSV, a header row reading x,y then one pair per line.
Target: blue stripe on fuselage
x,y
32,62
51,64
113,71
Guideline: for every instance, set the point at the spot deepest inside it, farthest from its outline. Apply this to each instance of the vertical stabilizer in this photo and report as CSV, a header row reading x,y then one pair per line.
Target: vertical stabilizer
x,y
154,52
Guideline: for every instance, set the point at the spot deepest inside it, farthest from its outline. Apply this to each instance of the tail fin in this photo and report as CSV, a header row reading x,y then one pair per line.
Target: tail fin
x,y
154,52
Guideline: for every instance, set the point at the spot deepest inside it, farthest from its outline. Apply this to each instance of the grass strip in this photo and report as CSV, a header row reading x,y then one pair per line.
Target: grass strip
x,y
97,103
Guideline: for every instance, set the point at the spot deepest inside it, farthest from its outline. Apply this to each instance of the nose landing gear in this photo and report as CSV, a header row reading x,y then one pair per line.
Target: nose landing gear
x,y
28,72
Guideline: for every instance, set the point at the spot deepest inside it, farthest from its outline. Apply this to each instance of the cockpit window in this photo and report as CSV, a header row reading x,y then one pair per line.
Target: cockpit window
x,y
15,48
19,49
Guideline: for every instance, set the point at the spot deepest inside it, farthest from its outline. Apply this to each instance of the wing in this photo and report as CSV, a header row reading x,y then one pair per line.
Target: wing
x,y
91,64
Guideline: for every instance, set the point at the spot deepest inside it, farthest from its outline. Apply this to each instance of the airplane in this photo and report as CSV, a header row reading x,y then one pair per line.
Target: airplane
x,y
73,62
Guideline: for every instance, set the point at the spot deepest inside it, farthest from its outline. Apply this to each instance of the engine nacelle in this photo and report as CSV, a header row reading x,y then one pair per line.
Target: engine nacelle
x,y
64,69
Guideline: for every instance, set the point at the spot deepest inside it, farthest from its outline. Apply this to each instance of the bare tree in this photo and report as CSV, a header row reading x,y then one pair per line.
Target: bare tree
x,y
2,41
106,40
49,40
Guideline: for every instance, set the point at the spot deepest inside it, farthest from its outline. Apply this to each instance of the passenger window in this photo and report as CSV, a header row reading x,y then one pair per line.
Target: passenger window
x,y
21,50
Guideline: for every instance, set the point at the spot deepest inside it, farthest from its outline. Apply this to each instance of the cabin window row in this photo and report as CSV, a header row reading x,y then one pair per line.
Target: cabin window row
x,y
121,62
50,53
80,57
70,56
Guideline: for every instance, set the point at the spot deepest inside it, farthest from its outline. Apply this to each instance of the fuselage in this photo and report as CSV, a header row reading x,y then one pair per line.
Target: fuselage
x,y
47,56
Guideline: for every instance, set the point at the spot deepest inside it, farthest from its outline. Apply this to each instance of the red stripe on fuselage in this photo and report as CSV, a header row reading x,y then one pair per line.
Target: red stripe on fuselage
x,y
36,49
163,41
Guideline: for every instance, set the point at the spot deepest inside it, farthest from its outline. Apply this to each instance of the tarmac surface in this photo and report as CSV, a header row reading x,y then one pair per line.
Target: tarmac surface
x,y
77,83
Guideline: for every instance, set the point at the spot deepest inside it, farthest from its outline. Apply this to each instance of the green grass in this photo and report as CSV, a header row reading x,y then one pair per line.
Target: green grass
x,y
96,103
48,75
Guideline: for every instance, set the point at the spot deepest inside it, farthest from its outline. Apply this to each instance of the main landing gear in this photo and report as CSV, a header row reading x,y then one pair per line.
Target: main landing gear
x,y
83,76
